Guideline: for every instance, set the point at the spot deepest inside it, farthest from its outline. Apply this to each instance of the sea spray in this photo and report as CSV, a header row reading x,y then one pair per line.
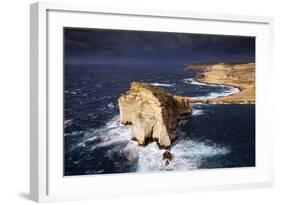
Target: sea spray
x,y
116,138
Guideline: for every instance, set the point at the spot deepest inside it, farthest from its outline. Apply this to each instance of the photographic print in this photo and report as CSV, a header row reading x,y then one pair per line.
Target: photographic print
x,y
146,101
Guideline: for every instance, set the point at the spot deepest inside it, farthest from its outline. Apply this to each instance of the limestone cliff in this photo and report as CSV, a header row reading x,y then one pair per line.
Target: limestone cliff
x,y
239,75
153,112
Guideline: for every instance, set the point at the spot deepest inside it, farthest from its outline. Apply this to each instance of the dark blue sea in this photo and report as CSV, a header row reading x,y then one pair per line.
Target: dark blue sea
x,y
214,136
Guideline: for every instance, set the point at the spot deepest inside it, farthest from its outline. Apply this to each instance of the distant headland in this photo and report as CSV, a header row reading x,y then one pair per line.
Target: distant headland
x,y
240,75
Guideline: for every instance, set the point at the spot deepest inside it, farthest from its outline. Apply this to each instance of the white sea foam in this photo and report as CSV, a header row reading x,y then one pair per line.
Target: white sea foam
x,y
194,82
67,122
162,84
114,122
113,133
73,93
187,154
197,112
110,105
229,90
212,95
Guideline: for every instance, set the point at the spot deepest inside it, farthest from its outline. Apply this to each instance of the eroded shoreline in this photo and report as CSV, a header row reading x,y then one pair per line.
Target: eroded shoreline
x,y
240,76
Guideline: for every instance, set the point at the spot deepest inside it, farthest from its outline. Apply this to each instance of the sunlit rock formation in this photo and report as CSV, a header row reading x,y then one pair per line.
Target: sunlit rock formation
x,y
239,75
153,113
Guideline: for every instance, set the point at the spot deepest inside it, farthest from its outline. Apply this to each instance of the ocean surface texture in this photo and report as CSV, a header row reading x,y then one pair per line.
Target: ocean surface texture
x,y
214,136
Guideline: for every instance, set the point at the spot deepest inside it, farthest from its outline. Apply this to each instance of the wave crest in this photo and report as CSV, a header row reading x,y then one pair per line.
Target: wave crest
x,y
162,84
228,90
187,154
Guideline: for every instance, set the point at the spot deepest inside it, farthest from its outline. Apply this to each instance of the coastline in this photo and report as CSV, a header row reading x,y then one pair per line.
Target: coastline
x,y
240,76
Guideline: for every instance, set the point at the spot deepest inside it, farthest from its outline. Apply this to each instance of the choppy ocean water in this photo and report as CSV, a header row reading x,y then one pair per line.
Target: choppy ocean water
x,y
214,136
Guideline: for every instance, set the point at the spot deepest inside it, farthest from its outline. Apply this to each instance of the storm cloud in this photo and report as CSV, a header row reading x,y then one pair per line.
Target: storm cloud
x,y
102,46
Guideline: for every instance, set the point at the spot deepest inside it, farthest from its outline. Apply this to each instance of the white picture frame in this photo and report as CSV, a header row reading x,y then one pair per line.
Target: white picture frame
x,y
47,182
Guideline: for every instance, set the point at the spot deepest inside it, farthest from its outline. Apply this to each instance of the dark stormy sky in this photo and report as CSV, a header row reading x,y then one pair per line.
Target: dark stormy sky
x,y
98,46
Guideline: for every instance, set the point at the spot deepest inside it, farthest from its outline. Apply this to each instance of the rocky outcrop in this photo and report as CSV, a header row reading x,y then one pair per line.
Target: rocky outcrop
x,y
153,112
167,157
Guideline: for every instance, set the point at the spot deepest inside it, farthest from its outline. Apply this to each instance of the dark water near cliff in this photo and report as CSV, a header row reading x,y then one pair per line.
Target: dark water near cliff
x,y
214,136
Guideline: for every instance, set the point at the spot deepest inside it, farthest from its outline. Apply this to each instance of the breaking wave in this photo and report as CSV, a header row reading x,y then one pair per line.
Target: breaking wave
x,y
162,84
197,112
67,123
116,138
194,82
228,90
225,93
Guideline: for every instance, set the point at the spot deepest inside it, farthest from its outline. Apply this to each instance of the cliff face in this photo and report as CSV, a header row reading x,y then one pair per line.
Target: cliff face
x,y
240,75
233,70
153,112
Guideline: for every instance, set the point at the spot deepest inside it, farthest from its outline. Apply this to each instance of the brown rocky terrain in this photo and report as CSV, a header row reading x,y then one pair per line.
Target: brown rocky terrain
x,y
153,112
239,75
